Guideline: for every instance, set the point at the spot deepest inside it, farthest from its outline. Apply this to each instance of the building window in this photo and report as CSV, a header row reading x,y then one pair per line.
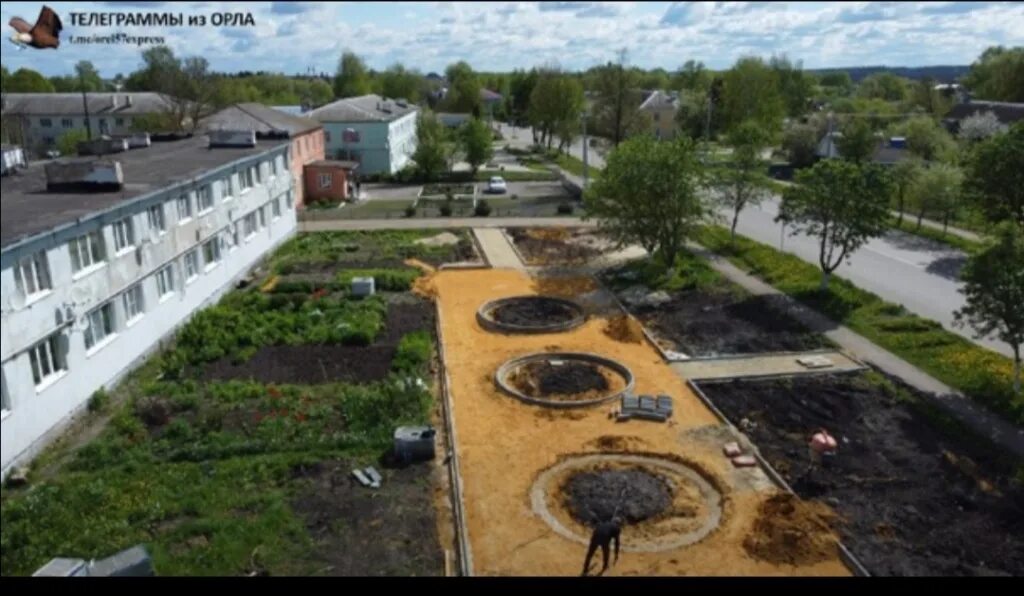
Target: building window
x,y
289,200
227,188
47,358
657,116
45,122
326,180
132,302
124,234
263,216
119,122
86,251
184,208
191,265
250,225
155,218
32,275
259,172
246,179
66,122
101,325
104,129
5,400
165,281
327,136
204,198
234,231
273,167
211,252
275,207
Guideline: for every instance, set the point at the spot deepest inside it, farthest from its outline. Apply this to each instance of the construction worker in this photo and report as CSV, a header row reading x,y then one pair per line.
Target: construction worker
x,y
822,449
603,534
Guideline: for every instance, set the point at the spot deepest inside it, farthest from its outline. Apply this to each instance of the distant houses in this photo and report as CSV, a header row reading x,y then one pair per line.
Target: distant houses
x,y
1007,113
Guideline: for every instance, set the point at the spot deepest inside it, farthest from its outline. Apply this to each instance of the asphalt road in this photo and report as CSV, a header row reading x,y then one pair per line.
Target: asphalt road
x,y
523,138
920,274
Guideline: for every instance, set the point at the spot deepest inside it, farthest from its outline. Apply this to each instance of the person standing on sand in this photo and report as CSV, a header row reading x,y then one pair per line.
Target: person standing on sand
x,y
603,535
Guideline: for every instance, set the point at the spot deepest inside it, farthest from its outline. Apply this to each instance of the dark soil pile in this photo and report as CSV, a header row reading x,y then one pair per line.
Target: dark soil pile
x,y
705,323
910,508
789,531
550,247
531,312
633,493
542,379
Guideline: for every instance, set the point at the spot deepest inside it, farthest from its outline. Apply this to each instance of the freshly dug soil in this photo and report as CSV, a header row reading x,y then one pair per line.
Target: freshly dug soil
x,y
543,379
790,531
391,531
633,493
314,364
910,508
550,247
625,328
528,312
707,323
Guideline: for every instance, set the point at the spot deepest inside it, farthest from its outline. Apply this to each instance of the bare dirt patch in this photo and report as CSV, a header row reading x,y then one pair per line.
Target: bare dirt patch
x,y
553,246
909,509
363,532
633,493
624,328
568,381
713,322
790,531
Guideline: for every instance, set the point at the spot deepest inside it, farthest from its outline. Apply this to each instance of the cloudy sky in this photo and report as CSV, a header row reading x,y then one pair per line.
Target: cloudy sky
x,y
291,37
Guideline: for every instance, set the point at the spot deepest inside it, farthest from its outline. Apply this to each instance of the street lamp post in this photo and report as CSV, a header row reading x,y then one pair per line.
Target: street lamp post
x,y
583,118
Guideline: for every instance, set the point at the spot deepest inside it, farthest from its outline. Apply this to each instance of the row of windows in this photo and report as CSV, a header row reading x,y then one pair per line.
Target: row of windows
x,y
69,123
32,274
48,358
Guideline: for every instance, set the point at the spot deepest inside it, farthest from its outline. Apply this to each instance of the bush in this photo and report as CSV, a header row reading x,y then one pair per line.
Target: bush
x,y
410,211
565,208
482,209
413,352
446,210
99,400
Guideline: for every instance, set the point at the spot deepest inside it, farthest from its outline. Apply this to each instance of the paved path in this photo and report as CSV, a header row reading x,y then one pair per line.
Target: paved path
x,y
760,366
984,422
938,226
497,249
415,223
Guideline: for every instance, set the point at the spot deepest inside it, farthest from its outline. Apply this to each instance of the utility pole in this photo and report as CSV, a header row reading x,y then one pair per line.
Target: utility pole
x,y
583,118
85,105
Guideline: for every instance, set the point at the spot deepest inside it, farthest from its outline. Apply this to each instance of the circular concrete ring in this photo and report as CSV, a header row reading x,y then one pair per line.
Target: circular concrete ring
x,y
713,499
485,316
509,366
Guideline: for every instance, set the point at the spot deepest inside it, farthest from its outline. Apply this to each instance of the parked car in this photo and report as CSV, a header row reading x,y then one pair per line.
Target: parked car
x,y
496,185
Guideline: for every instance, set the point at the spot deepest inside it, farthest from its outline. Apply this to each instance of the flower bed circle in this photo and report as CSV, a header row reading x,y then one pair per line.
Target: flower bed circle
x,y
564,379
530,314
665,503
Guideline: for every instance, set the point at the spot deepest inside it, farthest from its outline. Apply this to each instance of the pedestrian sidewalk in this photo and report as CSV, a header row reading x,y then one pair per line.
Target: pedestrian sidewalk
x,y
1001,432
497,249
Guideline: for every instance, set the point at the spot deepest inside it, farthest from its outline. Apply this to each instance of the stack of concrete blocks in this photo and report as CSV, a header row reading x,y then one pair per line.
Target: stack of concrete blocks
x,y
133,562
646,407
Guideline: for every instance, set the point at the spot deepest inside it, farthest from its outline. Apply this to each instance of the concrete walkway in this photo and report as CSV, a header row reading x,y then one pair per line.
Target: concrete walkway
x,y
497,249
761,366
984,422
415,223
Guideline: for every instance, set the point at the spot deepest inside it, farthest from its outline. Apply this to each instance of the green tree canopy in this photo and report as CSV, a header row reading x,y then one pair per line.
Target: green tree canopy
x,y
926,139
995,176
858,141
936,191
351,78
843,204
430,156
883,85
463,89
751,92
477,142
998,74
795,86
742,181
994,287
26,80
617,101
649,194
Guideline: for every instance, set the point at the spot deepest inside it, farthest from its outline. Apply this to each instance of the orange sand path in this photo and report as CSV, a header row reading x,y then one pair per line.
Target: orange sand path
x,y
504,444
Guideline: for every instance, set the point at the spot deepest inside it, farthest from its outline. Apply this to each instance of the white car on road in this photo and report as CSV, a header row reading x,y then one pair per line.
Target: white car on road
x,y
496,185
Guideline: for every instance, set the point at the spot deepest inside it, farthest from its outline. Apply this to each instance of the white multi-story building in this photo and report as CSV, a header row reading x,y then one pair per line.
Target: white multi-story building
x,y
376,132
102,258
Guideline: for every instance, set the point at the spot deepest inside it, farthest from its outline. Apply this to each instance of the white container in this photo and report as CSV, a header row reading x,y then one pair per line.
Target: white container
x,y
363,286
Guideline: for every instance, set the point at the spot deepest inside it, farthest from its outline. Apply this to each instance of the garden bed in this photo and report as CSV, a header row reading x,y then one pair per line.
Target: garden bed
x,y
916,501
435,190
554,246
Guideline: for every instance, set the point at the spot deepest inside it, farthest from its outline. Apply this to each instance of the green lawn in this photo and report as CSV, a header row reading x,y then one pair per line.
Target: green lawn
x,y
910,226
208,474
983,375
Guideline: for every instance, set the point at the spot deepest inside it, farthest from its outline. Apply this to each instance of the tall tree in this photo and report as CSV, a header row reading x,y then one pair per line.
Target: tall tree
x,y
555,106
160,68
692,76
751,92
923,94
883,85
926,139
795,85
397,82
477,143
843,204
88,77
800,141
936,191
994,288
742,181
617,101
904,177
649,194
858,141
463,89
980,126
521,84
998,75
351,78
430,155
26,80
995,176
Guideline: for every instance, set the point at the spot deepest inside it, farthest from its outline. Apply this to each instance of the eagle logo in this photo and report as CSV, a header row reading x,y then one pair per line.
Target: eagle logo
x,y
44,34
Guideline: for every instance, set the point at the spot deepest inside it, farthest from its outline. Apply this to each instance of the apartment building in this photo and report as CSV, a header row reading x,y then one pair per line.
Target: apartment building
x,y
102,258
378,133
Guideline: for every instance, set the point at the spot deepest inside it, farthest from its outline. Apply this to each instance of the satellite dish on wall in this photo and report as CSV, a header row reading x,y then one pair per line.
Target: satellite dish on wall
x,y
81,324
